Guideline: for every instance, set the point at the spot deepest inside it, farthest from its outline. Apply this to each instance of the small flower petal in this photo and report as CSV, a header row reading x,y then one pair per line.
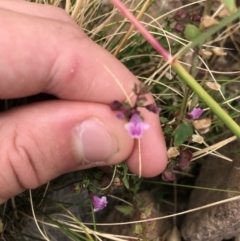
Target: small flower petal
x,y
136,126
99,203
196,113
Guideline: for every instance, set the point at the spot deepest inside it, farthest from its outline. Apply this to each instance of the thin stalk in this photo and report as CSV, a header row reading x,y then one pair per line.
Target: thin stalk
x,y
189,80
76,9
68,6
149,37
126,36
15,212
175,202
184,105
193,72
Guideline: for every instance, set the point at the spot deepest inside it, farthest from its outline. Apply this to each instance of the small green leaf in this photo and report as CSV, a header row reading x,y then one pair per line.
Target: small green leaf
x,y
230,4
182,133
163,120
168,130
126,210
138,229
191,32
125,181
86,183
148,210
194,101
125,177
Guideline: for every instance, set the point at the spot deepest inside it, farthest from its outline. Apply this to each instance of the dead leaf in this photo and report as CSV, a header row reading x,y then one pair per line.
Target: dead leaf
x,y
209,21
172,152
205,53
213,85
174,235
197,139
224,13
219,51
202,125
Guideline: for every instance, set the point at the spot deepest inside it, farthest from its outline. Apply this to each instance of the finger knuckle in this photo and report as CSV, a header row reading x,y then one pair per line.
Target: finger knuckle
x,y
19,171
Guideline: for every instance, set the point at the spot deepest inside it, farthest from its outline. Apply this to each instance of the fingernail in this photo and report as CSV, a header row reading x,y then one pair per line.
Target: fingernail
x,y
94,142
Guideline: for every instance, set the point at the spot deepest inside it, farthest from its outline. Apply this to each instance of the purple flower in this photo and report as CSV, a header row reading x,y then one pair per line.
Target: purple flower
x,y
136,126
168,175
98,203
196,113
185,158
178,27
181,14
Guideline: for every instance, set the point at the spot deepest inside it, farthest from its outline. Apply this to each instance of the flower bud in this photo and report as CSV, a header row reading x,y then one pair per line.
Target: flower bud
x,y
168,175
115,105
181,14
178,27
185,158
153,108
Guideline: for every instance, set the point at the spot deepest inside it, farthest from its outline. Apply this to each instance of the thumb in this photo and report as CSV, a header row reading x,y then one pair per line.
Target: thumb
x,y
42,141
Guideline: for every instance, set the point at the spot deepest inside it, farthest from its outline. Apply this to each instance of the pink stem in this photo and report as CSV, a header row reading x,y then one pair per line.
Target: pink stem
x,y
148,36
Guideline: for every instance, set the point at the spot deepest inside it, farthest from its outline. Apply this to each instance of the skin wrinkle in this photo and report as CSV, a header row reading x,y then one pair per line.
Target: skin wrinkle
x,y
31,136
15,172
5,157
23,154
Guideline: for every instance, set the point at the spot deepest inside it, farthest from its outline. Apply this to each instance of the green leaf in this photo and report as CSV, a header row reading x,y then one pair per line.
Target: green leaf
x,y
148,210
163,120
194,101
191,32
125,181
126,210
124,171
168,130
182,133
86,183
138,229
230,4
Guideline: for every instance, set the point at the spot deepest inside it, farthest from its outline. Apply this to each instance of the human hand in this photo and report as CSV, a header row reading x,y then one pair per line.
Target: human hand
x,y
43,51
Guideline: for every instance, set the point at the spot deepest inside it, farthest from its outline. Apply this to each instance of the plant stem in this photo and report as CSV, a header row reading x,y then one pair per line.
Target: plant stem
x,y
193,72
149,37
126,36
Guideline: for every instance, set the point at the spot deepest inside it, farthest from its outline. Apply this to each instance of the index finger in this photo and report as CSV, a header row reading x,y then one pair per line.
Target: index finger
x,y
60,59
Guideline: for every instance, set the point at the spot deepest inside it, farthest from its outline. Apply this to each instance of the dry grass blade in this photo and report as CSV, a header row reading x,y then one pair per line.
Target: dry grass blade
x,y
214,147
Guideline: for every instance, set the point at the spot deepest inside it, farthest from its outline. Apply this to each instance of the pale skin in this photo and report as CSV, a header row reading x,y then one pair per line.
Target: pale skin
x,y
43,51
